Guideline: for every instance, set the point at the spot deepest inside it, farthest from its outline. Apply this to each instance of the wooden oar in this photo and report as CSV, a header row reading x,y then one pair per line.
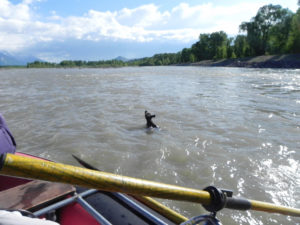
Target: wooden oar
x,y
150,202
15,165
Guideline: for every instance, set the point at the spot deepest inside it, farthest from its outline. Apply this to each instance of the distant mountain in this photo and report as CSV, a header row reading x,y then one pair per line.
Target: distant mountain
x,y
121,58
7,59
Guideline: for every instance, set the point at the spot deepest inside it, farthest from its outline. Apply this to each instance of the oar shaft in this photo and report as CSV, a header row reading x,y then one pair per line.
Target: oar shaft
x,y
272,208
161,208
150,202
15,165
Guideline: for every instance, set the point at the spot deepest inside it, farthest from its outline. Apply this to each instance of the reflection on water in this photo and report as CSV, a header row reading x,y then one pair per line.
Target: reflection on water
x,y
234,128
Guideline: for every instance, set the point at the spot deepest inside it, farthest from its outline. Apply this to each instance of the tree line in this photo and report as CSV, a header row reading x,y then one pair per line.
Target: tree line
x,y
77,63
274,30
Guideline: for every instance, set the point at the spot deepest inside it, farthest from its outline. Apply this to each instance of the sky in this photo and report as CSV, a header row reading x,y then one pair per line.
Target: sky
x,y
55,30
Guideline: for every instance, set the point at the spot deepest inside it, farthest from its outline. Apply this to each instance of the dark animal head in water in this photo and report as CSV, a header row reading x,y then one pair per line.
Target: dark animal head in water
x,y
149,117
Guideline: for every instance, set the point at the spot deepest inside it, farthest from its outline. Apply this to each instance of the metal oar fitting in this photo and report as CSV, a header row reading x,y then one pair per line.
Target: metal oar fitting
x,y
218,198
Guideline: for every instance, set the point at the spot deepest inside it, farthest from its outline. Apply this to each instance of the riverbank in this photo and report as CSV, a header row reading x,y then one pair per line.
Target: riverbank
x,y
287,61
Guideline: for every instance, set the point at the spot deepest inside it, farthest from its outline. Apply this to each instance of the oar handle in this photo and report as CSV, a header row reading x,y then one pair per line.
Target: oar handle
x,y
247,204
238,203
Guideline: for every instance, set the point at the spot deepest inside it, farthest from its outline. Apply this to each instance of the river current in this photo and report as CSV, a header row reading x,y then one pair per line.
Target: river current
x,y
234,128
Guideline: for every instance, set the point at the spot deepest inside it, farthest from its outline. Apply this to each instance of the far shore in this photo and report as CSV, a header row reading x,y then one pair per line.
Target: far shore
x,y
286,61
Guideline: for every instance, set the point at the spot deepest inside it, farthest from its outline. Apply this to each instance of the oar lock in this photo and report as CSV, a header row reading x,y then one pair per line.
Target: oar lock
x,y
218,198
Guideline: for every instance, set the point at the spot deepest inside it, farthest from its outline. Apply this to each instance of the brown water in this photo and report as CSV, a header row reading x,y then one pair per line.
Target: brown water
x,y
237,129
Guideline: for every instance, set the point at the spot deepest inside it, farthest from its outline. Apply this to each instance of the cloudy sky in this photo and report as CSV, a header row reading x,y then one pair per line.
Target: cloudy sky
x,y
54,30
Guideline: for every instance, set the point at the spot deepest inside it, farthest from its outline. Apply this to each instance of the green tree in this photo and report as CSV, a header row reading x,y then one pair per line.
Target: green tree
x,y
279,34
259,28
241,46
230,48
79,63
220,52
192,58
218,42
293,44
211,46
201,48
67,63
185,55
39,64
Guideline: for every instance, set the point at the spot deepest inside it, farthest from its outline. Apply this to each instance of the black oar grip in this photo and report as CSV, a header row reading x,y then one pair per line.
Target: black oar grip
x,y
223,199
238,203
2,160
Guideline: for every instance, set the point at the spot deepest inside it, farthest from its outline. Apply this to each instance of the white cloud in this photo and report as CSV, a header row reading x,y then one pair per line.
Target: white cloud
x,y
18,12
143,16
19,27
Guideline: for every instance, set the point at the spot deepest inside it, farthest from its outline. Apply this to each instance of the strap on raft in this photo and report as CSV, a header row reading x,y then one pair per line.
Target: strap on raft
x,y
15,165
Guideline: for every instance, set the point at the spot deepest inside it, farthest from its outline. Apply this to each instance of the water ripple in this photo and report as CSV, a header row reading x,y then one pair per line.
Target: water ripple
x,y
231,127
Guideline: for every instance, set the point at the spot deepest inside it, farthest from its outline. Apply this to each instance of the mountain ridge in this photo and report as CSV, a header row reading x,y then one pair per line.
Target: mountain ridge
x,y
9,59
121,58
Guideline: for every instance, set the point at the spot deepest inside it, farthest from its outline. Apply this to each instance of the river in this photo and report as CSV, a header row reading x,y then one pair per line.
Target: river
x,y
234,128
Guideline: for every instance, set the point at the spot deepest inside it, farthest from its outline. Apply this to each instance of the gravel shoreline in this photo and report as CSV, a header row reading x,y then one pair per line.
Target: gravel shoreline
x,y
288,61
